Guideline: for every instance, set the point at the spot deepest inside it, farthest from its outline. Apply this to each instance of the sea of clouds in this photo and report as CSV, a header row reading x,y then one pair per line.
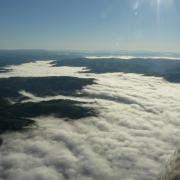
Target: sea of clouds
x,y
40,69
132,57
133,137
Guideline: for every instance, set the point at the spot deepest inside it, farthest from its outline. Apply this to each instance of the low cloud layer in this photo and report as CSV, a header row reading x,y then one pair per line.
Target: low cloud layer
x,y
132,57
40,69
133,137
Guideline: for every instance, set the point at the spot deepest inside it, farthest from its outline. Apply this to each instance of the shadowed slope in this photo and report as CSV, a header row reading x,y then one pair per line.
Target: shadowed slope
x,y
168,69
15,117
42,86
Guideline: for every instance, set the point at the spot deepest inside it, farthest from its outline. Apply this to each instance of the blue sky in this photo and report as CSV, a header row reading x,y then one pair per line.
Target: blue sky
x,y
90,24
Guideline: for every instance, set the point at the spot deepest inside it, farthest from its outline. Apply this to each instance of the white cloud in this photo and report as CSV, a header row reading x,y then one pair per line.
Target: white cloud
x,y
135,133
132,57
41,69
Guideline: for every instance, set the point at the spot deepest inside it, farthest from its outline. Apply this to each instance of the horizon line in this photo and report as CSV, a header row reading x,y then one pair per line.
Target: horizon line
x,y
88,50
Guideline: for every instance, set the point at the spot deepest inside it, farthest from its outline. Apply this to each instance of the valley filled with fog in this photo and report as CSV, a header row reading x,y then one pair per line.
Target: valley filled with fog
x,y
89,118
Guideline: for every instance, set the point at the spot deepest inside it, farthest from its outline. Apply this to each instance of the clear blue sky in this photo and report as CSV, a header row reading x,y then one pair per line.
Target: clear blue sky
x,y
90,24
